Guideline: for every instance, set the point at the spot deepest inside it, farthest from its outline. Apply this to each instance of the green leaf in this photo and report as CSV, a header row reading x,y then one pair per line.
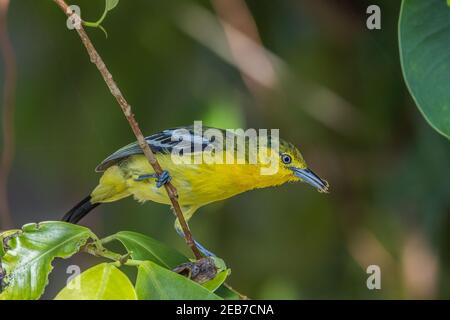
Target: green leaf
x,y
4,237
157,283
220,264
30,252
424,41
101,282
226,293
217,281
145,248
111,4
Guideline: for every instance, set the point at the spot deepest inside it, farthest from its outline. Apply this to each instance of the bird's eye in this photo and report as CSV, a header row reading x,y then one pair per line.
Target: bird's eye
x,y
286,158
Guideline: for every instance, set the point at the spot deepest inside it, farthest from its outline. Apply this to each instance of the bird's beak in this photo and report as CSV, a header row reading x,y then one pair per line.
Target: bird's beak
x,y
311,178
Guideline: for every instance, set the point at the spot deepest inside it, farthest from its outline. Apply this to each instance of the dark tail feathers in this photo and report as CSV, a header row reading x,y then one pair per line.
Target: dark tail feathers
x,y
79,211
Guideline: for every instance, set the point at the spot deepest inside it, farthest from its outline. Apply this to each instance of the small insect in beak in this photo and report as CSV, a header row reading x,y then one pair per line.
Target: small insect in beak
x,y
311,178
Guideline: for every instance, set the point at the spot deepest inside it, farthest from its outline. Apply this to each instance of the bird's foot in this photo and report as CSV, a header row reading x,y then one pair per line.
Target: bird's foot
x,y
143,177
160,179
164,178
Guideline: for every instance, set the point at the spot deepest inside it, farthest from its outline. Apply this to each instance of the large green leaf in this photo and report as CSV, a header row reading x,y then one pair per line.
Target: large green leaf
x,y
101,282
424,41
226,293
157,283
145,248
30,252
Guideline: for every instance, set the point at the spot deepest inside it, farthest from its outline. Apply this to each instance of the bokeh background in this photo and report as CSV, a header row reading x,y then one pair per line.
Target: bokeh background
x,y
308,67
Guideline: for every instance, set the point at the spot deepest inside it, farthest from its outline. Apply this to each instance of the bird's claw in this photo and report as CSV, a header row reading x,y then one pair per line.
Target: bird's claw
x,y
160,179
143,177
163,179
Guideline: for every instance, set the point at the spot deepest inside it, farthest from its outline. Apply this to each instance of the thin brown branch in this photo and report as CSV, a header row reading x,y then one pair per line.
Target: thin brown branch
x,y
9,89
127,111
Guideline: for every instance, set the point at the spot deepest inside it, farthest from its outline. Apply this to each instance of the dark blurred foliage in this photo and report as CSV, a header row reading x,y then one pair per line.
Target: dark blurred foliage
x,y
343,102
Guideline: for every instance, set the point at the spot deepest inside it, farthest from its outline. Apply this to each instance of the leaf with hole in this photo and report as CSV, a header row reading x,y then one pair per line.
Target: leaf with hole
x,y
4,238
30,252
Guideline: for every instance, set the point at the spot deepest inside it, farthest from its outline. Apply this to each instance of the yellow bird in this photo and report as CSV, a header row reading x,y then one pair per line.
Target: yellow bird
x,y
202,167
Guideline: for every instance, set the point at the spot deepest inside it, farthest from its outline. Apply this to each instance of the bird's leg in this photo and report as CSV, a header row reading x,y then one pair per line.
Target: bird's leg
x,y
201,270
160,179
202,249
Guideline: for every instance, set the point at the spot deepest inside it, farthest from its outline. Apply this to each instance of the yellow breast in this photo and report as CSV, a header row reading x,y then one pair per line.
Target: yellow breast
x,y
197,184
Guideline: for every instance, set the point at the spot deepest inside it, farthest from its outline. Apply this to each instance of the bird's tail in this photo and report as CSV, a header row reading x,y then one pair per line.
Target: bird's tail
x,y
80,210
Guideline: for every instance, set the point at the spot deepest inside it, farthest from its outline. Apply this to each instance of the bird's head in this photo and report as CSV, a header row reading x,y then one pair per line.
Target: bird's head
x,y
294,168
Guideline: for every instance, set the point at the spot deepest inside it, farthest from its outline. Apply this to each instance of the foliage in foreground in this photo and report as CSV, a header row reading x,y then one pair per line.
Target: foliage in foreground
x,y
424,41
27,255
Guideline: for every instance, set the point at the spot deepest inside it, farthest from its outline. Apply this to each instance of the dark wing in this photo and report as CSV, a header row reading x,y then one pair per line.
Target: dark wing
x,y
161,142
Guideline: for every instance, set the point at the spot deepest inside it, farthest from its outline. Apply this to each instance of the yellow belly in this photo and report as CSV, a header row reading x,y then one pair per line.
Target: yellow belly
x,y
197,184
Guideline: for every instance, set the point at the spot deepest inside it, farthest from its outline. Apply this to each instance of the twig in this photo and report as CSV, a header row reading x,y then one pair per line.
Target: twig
x,y
240,295
97,250
9,89
126,108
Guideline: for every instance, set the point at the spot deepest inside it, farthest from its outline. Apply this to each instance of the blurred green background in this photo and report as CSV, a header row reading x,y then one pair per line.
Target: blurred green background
x,y
308,67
